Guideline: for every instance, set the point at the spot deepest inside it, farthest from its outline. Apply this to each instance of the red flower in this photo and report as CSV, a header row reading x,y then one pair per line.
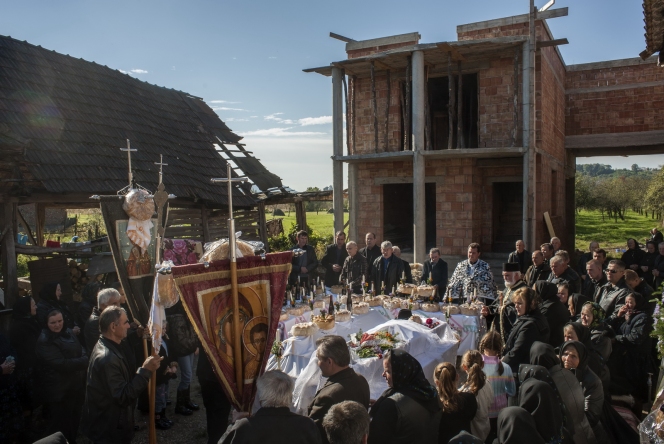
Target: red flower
x,y
429,321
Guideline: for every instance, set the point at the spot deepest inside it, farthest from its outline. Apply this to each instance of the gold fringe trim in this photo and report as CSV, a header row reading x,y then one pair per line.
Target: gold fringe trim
x,y
226,274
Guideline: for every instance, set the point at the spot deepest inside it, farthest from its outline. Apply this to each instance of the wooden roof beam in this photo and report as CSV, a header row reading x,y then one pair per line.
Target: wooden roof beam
x,y
456,55
547,43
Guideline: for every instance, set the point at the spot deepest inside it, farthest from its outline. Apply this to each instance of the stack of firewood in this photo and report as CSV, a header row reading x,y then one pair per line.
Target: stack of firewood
x,y
78,276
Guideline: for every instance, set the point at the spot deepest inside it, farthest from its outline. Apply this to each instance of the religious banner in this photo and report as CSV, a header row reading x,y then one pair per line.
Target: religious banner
x,y
132,232
205,291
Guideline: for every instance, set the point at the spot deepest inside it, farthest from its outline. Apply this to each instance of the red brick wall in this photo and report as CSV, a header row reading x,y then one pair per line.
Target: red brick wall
x,y
496,104
618,111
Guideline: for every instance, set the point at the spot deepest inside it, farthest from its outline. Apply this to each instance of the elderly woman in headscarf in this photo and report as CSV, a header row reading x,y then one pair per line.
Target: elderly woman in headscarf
x,y
647,264
539,399
555,312
23,333
545,366
592,316
576,331
630,360
406,412
516,426
49,300
574,356
632,257
574,306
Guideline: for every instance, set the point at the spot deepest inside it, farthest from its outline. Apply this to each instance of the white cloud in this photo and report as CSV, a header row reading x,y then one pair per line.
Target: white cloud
x,y
225,108
315,120
222,101
233,119
138,71
274,117
280,132
253,117
123,71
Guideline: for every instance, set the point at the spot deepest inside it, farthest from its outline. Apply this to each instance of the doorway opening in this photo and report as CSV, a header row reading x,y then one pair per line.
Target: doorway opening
x,y
507,215
398,215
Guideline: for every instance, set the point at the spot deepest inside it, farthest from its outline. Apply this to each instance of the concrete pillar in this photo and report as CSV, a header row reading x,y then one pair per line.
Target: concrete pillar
x,y
338,146
419,117
529,145
353,201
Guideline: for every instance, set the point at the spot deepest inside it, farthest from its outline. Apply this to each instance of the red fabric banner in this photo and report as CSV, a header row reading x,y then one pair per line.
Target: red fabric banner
x,y
206,296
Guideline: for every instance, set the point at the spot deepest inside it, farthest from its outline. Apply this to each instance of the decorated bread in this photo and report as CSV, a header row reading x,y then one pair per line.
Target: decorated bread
x,y
453,309
342,316
430,307
284,316
295,311
468,310
407,288
416,266
356,298
320,304
425,290
374,302
320,290
392,304
336,289
361,308
324,323
416,318
303,329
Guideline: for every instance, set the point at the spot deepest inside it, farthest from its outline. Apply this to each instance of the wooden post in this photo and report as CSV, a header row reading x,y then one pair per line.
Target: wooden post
x,y
451,104
40,222
460,139
387,111
300,215
8,253
374,106
206,226
262,225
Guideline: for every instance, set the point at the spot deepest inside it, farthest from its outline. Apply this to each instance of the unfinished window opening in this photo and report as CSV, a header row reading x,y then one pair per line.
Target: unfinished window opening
x,y
439,99
507,215
398,215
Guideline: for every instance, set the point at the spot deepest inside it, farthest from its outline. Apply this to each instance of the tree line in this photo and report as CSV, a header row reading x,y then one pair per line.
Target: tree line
x,y
613,192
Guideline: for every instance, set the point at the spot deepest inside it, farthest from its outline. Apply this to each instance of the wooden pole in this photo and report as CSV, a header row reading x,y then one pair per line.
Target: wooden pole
x,y
451,103
460,139
374,106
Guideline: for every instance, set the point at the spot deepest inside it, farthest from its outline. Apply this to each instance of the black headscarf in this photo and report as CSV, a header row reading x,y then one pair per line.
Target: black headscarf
x,y
516,426
465,438
22,308
636,244
582,332
579,300
539,399
546,291
47,292
543,354
408,379
641,303
583,357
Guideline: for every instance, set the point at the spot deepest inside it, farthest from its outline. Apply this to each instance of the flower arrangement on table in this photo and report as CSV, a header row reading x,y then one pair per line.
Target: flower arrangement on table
x,y
374,344
278,349
337,305
432,323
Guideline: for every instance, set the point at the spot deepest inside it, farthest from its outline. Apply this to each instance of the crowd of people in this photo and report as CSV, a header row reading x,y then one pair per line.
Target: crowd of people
x,y
566,358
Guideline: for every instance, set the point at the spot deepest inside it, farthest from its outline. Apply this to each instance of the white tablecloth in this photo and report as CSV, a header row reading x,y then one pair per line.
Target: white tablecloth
x,y
470,328
429,347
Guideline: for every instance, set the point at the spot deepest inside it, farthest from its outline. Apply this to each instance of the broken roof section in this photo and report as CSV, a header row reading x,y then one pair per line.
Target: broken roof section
x,y
64,119
653,16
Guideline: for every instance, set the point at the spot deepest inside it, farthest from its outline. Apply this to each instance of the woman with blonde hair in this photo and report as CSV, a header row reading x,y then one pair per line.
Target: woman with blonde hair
x,y
459,408
477,384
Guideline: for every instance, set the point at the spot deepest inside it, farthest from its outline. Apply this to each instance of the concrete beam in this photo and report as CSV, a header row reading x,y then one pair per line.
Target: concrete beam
x,y
353,202
419,201
513,20
383,41
338,146
612,64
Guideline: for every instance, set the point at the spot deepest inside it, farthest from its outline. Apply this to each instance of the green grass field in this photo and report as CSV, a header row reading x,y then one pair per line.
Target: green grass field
x,y
610,234
322,222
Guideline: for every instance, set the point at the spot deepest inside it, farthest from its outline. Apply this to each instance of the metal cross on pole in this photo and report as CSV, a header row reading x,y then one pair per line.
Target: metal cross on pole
x,y
237,352
129,149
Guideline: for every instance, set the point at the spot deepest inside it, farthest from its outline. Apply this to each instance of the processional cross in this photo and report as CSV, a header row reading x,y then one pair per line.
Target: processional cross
x,y
237,355
129,149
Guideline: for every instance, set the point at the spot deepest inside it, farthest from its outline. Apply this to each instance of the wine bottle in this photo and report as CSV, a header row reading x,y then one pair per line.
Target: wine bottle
x,y
331,307
349,299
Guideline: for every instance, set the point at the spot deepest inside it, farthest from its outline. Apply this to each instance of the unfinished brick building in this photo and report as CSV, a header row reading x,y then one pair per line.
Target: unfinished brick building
x,y
475,140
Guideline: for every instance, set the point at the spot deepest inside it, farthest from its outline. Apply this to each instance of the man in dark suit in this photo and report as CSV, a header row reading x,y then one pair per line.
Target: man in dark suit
x,y
334,258
387,269
343,384
273,422
435,269
371,252
539,271
407,273
521,256
304,264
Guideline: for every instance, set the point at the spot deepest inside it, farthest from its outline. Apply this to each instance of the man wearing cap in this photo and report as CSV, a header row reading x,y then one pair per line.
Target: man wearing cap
x,y
502,313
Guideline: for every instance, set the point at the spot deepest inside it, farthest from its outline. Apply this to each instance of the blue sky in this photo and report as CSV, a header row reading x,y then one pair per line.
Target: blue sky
x,y
245,58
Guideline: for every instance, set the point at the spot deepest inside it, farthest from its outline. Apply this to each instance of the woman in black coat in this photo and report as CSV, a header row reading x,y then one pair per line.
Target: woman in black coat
x,y
62,362
539,399
575,331
555,312
407,411
630,360
49,300
531,326
574,305
23,333
647,263
633,256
